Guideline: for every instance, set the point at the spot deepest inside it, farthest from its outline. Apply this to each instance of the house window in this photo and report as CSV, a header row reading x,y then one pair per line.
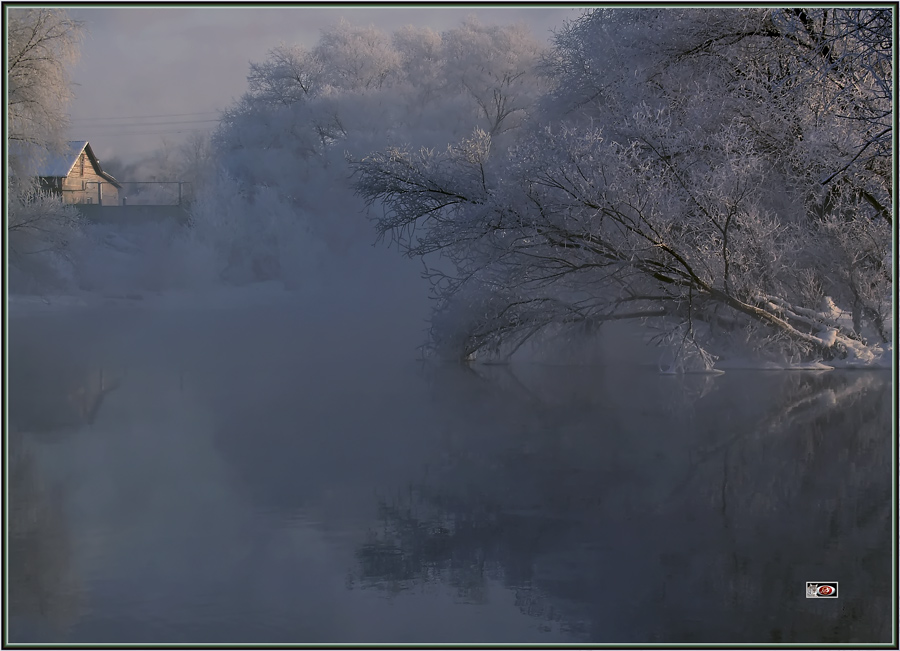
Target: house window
x,y
82,164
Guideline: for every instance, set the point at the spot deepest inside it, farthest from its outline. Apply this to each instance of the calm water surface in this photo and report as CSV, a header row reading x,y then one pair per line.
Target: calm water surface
x,y
264,477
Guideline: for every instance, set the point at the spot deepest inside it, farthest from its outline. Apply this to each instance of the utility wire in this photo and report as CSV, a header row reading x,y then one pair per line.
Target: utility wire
x,y
140,125
150,133
140,117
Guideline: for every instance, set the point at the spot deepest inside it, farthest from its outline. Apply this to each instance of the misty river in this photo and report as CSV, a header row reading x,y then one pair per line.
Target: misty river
x,y
275,474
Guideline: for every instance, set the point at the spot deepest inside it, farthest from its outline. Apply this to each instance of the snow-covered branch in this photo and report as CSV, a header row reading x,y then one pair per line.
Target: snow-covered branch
x,y
692,175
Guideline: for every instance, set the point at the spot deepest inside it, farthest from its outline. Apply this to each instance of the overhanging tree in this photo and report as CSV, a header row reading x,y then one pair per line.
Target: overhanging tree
x,y
722,173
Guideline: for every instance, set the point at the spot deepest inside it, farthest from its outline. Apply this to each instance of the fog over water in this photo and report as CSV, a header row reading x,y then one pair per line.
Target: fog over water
x,y
280,473
232,419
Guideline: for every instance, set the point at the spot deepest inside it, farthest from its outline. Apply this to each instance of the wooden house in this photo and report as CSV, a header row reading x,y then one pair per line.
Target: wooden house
x,y
77,176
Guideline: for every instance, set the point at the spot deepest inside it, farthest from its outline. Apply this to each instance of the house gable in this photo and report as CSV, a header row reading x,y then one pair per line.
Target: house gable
x,y
77,175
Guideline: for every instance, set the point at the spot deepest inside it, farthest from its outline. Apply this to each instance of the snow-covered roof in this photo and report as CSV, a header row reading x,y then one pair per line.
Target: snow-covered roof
x,y
61,164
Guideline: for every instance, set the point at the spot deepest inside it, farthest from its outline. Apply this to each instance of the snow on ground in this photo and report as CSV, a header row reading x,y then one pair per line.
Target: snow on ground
x,y
743,363
880,358
677,371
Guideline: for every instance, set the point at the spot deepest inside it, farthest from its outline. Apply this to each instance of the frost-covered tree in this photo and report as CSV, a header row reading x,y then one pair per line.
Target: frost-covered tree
x,y
357,90
497,67
356,58
421,52
41,45
40,231
289,75
722,174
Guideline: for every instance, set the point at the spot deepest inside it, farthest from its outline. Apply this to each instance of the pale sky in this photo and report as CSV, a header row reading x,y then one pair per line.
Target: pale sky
x,y
151,72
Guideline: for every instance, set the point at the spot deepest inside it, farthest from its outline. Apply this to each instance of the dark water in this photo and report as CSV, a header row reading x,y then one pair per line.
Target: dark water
x,y
262,477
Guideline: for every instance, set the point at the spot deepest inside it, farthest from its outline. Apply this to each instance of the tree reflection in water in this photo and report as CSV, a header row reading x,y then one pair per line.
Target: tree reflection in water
x,y
41,582
55,391
646,509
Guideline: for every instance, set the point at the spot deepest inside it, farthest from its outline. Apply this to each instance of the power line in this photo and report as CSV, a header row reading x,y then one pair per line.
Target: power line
x,y
140,117
150,133
141,125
